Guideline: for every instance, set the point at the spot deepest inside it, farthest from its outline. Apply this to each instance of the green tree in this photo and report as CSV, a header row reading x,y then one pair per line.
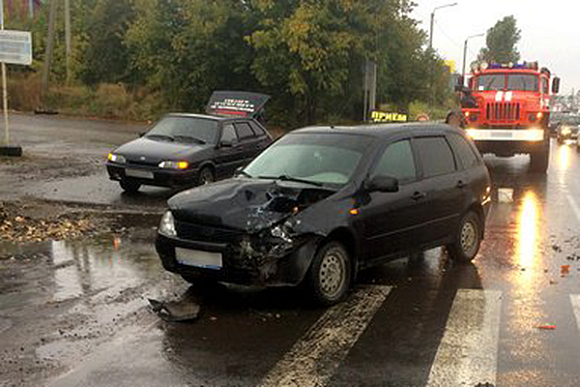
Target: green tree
x,y
502,40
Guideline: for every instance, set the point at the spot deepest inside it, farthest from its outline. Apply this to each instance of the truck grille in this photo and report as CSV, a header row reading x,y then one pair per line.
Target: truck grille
x,y
203,233
503,111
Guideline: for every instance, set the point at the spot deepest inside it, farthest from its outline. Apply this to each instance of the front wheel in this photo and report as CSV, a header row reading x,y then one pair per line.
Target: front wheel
x,y
206,176
467,238
540,158
330,276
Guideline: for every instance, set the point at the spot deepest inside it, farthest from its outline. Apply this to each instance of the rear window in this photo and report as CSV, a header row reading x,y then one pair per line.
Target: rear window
x,y
244,131
258,129
436,156
464,151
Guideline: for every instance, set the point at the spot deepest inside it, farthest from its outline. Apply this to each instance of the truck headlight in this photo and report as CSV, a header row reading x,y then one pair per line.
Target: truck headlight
x,y
167,225
174,165
115,158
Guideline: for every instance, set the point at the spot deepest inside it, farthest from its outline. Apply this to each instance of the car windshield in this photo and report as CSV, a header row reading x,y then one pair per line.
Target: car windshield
x,y
515,82
310,157
186,130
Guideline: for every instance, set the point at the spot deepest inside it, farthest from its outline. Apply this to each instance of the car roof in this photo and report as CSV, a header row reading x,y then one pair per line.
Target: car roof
x,y
381,130
207,116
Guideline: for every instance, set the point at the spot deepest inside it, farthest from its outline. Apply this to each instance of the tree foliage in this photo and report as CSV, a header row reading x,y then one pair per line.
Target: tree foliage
x,y
502,40
307,54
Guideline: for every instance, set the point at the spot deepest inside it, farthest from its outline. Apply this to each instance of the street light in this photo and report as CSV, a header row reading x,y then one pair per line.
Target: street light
x,y
465,51
433,22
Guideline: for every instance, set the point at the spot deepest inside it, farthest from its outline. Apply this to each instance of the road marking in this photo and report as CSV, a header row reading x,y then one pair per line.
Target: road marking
x,y
573,205
575,299
467,354
316,356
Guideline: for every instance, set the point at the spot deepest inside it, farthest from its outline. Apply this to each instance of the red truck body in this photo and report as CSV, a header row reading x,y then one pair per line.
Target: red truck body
x,y
508,109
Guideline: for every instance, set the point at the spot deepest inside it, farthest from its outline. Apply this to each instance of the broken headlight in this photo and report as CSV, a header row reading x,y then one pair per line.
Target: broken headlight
x,y
167,225
282,231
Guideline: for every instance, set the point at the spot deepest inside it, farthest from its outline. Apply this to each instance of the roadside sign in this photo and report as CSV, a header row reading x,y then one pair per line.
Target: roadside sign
x,y
16,47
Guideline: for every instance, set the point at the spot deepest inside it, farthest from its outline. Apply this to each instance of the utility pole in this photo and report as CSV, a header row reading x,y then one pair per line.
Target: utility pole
x,y
49,50
433,22
31,8
4,84
68,39
465,52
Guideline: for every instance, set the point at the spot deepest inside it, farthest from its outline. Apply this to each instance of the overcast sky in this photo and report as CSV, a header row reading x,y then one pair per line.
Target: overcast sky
x,y
550,31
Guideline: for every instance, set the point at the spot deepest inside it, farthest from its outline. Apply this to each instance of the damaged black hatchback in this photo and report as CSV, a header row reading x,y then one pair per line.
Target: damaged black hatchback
x,y
323,203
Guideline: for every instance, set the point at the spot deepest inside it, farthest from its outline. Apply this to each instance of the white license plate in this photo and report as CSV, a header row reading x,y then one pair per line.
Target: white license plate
x,y
139,173
199,258
501,134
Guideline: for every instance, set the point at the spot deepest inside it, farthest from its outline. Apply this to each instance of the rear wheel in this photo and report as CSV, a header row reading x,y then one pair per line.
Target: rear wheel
x,y
330,276
539,158
467,238
130,186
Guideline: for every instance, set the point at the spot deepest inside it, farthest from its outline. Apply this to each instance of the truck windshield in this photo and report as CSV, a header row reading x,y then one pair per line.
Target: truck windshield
x,y
515,82
491,82
522,82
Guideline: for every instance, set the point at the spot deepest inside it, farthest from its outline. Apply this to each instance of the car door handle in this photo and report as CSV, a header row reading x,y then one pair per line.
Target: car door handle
x,y
461,184
419,195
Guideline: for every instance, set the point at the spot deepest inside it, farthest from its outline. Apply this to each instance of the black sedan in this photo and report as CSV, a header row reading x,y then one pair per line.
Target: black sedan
x,y
323,203
186,150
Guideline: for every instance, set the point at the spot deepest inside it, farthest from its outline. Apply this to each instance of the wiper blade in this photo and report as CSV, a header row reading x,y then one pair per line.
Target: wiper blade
x,y
162,136
291,178
190,138
242,172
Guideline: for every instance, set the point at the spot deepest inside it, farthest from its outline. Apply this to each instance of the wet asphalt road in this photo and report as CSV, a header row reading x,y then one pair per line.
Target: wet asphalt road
x,y
75,314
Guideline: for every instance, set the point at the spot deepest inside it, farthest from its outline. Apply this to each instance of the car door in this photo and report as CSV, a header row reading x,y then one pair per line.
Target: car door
x,y
248,141
229,155
391,218
441,192
264,139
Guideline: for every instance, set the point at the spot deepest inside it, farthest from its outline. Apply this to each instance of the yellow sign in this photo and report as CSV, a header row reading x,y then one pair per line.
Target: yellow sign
x,y
388,117
451,65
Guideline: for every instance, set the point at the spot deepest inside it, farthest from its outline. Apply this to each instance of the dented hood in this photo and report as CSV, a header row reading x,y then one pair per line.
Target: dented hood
x,y
245,204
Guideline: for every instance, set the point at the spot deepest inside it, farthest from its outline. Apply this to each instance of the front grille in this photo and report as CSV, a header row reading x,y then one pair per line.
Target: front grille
x,y
142,163
503,111
203,233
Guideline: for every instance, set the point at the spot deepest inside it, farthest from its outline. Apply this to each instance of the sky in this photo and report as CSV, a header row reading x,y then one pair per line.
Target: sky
x,y
550,31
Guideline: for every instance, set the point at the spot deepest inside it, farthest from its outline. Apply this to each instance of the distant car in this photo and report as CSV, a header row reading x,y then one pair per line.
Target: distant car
x,y
567,129
323,203
184,150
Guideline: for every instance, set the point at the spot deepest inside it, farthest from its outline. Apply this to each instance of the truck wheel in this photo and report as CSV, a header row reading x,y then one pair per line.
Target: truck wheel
x,y
130,186
539,159
467,239
329,276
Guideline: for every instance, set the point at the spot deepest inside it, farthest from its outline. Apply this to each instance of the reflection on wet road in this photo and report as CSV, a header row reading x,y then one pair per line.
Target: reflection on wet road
x,y
78,311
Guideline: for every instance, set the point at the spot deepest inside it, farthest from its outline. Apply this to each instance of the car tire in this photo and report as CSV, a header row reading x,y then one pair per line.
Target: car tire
x,y
330,276
539,159
206,176
130,186
467,238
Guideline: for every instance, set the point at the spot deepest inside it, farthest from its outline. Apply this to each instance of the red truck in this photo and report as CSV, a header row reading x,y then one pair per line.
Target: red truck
x,y
506,110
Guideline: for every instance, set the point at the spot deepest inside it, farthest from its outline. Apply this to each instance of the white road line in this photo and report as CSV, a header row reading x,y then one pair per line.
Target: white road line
x,y
575,299
574,205
467,354
316,356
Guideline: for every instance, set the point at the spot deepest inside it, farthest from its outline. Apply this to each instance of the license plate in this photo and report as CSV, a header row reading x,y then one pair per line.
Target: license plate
x,y
501,134
199,258
139,173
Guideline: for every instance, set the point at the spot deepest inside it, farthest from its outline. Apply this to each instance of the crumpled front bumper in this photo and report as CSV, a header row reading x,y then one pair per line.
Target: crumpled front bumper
x,y
243,262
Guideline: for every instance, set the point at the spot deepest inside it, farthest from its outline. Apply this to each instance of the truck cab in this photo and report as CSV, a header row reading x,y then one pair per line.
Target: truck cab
x,y
506,110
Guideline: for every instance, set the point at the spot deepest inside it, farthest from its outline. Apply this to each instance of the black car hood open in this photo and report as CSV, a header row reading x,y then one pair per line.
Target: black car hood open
x,y
245,204
156,151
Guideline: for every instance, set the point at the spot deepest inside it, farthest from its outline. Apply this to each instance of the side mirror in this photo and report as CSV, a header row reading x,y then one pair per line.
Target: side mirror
x,y
141,134
226,143
556,85
239,170
383,184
